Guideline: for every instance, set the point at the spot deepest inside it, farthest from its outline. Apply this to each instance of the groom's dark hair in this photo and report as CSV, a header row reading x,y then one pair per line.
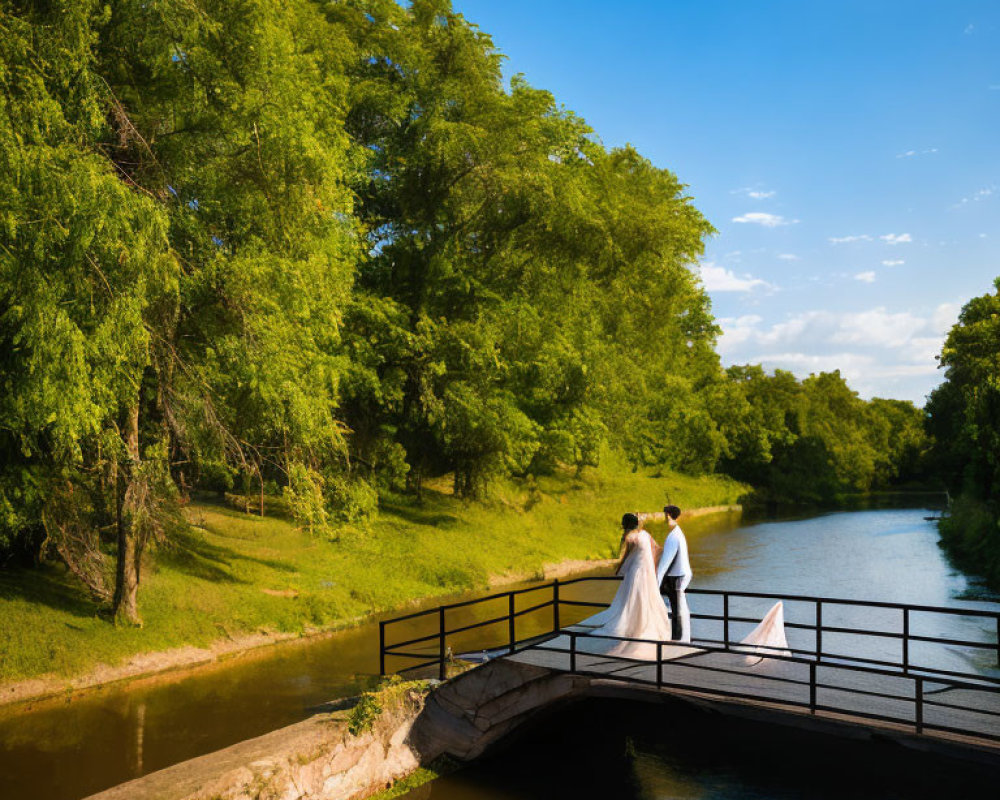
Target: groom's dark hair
x,y
672,511
630,521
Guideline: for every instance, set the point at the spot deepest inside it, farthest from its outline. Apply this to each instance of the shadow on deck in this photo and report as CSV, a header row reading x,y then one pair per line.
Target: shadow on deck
x,y
468,713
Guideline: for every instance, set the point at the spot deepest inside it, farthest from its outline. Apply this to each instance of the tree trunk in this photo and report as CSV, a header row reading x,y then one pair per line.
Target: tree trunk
x,y
416,484
126,607
260,477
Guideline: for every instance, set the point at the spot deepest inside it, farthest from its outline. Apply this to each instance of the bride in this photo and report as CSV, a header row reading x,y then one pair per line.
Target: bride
x,y
638,610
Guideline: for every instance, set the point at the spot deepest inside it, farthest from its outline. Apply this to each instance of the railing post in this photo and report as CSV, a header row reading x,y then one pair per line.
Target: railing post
x,y
812,688
659,665
381,648
511,632
555,606
725,619
442,671
998,641
919,714
572,651
906,639
819,629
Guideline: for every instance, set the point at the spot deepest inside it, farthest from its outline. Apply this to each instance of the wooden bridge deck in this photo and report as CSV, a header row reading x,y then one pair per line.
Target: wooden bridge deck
x,y
953,712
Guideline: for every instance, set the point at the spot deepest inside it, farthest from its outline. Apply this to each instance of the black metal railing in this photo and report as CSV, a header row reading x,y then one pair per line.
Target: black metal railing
x,y
905,635
432,649
918,700
440,657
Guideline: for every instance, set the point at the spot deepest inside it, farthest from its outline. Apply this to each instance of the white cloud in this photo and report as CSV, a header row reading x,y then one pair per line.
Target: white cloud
x,y
788,256
969,29
739,330
847,239
890,238
865,277
982,194
762,218
878,327
880,352
756,194
893,262
896,238
853,366
944,317
912,153
720,279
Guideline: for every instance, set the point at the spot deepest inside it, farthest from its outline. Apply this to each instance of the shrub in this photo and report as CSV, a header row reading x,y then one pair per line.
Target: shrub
x,y
304,495
972,531
394,694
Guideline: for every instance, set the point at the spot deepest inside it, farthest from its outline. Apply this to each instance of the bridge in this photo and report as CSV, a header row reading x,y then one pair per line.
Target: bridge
x,y
854,668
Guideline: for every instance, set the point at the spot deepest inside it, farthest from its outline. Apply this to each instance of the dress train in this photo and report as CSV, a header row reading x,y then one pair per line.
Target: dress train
x,y
768,638
637,611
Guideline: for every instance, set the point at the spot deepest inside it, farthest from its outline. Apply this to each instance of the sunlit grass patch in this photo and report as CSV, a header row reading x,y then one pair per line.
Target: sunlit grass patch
x,y
233,574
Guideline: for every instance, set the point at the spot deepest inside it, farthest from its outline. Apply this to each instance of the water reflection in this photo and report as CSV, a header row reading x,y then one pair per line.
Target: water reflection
x,y
631,751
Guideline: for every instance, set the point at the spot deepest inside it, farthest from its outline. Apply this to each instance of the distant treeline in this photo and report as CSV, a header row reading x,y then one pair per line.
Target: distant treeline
x,y
814,441
963,416
319,249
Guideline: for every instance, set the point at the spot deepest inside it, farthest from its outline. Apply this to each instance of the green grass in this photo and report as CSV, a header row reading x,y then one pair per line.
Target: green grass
x,y
440,767
234,574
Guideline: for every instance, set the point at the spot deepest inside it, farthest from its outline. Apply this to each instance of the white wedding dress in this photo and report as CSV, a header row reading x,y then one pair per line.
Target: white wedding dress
x,y
638,610
768,638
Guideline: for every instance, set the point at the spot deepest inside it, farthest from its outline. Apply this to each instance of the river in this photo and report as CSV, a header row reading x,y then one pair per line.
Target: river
x,y
64,750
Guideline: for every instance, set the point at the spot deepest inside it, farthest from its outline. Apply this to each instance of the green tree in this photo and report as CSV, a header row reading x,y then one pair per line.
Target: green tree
x,y
902,454
526,289
964,418
816,440
237,113
86,273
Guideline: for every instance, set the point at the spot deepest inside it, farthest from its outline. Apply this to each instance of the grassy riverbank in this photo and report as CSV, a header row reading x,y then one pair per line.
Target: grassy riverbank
x,y
233,575
971,535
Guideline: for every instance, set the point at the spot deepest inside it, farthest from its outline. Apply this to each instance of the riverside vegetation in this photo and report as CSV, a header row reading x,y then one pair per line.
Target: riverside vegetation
x,y
234,574
319,250
963,416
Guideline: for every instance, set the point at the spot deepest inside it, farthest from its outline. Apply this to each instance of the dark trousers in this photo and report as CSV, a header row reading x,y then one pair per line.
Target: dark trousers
x,y
671,589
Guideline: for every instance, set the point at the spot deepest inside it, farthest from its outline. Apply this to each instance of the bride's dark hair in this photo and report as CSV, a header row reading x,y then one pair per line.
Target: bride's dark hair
x,y
630,521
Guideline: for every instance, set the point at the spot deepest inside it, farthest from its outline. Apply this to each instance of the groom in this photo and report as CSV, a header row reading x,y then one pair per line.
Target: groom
x,y
673,573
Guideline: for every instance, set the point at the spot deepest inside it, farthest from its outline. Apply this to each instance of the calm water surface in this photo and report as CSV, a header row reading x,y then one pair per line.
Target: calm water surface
x,y
65,750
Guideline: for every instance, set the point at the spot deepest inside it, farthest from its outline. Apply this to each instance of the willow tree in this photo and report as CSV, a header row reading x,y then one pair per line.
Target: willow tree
x,y
240,107
177,250
86,274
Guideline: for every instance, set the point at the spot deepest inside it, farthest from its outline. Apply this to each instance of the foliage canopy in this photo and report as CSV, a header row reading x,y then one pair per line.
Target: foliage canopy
x,y
321,250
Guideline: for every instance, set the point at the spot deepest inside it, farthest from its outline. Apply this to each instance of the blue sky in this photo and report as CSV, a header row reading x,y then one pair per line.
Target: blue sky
x,y
847,152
